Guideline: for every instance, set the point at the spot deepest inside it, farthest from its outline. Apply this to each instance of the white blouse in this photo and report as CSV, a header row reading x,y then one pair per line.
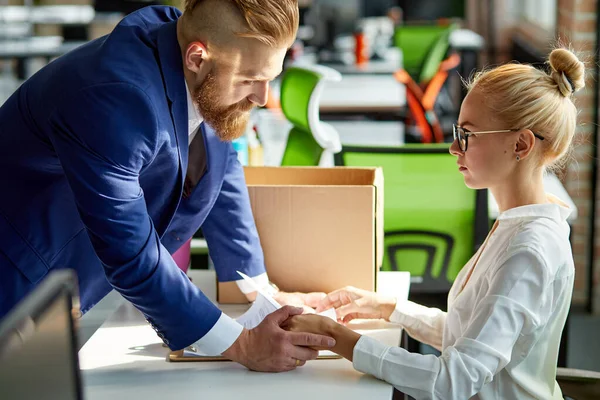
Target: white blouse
x,y
500,337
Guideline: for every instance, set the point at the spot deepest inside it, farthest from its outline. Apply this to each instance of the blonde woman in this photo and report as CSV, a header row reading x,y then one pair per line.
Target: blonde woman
x,y
508,306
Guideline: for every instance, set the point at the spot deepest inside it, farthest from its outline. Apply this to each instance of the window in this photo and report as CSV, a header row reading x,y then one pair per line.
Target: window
x,y
539,12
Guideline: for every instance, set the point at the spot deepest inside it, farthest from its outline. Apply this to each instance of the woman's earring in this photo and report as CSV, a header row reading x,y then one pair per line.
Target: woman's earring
x,y
518,158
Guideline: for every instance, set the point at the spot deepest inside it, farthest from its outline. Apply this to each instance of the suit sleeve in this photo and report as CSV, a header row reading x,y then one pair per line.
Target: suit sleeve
x,y
104,136
230,230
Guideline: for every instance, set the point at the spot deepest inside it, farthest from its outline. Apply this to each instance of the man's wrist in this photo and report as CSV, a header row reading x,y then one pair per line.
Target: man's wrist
x,y
237,351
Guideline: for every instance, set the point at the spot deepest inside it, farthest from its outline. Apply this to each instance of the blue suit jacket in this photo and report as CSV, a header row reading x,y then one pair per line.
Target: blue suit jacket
x,y
93,154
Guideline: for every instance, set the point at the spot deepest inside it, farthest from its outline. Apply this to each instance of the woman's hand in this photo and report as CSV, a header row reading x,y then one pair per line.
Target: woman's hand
x,y
308,301
351,303
310,323
345,338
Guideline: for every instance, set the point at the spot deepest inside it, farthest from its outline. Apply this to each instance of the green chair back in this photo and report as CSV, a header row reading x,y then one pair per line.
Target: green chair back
x,y
297,86
300,93
302,149
433,223
424,47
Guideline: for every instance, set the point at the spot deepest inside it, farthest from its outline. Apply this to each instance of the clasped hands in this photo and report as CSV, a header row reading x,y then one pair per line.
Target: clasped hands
x,y
287,338
349,303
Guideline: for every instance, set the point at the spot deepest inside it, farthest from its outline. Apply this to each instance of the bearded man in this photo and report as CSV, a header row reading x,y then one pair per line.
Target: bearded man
x,y
113,155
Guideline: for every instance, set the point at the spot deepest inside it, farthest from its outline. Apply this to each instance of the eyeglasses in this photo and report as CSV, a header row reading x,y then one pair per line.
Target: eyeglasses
x,y
461,135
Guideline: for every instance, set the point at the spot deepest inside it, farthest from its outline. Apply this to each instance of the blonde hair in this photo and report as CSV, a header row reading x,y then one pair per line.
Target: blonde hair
x,y
524,97
273,22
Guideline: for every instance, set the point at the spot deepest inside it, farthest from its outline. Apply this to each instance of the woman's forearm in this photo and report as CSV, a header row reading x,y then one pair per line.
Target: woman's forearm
x,y
345,340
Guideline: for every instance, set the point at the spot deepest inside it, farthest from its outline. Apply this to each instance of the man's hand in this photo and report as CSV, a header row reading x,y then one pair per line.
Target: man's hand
x,y
351,303
269,348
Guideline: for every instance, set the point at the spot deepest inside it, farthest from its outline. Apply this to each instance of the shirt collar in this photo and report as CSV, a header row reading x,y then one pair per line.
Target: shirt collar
x,y
555,209
194,117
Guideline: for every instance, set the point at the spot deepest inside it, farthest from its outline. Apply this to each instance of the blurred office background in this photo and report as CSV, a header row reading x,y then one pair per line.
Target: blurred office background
x,y
435,42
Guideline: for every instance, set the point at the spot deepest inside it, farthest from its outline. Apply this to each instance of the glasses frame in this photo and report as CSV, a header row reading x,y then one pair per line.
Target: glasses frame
x,y
468,133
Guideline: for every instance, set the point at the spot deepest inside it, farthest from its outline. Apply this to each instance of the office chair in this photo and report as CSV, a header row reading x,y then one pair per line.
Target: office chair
x,y
578,384
424,73
310,141
433,223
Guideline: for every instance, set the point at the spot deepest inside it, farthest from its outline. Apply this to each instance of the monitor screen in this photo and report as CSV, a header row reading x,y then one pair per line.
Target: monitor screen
x,y
331,18
38,347
431,10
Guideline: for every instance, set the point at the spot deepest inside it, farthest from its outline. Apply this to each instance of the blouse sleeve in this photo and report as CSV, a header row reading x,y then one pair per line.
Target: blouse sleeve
x,y
519,301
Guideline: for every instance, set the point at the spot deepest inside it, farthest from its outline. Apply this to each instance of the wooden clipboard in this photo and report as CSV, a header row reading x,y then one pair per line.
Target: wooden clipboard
x,y
179,356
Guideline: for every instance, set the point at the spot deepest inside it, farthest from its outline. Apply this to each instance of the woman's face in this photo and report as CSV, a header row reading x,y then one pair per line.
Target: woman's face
x,y
489,159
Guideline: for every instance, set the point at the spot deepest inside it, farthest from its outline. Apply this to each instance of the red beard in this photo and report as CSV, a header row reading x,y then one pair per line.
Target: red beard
x,y
229,122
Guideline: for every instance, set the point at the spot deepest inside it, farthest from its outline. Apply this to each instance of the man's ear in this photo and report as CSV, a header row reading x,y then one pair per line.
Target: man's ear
x,y
195,55
525,143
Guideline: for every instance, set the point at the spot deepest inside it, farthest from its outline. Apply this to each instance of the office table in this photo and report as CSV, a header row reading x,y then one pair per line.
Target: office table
x,y
369,133
363,93
50,14
359,94
362,90
125,359
387,66
40,46
46,47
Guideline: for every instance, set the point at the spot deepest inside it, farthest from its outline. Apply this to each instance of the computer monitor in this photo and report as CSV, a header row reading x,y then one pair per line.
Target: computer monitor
x,y
377,8
431,10
332,18
38,346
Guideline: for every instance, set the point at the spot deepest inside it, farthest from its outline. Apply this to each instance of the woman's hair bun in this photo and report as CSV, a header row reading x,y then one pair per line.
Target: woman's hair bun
x,y
567,71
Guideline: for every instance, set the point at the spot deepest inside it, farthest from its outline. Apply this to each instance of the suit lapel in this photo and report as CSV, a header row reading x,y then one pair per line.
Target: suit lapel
x,y
171,66
172,70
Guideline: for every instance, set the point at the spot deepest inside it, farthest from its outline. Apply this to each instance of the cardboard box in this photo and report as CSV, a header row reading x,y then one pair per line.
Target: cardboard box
x,y
320,228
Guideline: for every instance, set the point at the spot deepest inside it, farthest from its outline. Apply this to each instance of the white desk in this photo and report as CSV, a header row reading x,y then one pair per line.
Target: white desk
x,y
40,46
553,186
368,89
360,94
52,14
125,360
370,133
388,65
465,39
363,93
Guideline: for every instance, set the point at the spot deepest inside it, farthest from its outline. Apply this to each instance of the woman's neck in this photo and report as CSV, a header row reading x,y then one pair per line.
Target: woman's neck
x,y
520,190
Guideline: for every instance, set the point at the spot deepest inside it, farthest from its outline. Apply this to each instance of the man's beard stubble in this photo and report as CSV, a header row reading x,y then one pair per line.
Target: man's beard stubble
x,y
229,122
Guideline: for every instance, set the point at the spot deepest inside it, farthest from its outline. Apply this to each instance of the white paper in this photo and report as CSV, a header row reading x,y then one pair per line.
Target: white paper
x,y
257,312
329,313
251,282
264,305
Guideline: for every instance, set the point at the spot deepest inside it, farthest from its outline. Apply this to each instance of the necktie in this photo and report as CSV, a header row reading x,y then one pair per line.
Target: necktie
x,y
196,163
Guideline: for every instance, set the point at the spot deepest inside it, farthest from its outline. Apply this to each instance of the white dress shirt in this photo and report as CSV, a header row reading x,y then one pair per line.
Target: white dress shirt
x,y
500,337
226,330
